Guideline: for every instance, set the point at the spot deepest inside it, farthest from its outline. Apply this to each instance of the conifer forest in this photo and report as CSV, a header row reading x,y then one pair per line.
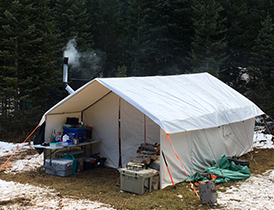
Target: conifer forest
x,y
232,40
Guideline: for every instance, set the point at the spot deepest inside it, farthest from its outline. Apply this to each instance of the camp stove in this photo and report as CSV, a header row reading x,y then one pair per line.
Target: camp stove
x,y
208,194
207,189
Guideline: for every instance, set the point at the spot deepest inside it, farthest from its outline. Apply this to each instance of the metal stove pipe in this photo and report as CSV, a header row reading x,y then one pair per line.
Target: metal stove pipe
x,y
65,76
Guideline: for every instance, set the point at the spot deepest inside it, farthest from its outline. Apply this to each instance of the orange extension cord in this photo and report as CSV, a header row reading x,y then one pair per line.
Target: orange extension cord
x,y
19,147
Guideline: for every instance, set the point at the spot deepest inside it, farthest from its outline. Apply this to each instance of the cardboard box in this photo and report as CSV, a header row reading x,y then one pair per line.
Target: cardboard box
x,y
156,182
81,161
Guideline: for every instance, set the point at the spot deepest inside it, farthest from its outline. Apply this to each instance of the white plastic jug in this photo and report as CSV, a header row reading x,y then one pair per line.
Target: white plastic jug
x,y
65,138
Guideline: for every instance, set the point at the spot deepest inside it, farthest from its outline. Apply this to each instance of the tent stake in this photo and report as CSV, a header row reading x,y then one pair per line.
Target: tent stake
x,y
168,170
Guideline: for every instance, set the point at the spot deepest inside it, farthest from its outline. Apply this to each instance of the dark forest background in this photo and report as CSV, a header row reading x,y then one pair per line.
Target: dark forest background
x,y
231,39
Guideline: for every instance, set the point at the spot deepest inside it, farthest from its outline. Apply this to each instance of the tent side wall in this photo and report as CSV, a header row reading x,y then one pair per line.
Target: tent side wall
x,y
103,116
136,128
200,149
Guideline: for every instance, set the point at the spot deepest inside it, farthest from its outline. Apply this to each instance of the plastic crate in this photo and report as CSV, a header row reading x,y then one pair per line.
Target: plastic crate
x,y
76,132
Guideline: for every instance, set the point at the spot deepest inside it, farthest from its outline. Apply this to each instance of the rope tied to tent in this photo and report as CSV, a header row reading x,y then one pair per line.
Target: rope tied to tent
x,y
19,146
191,184
231,138
236,143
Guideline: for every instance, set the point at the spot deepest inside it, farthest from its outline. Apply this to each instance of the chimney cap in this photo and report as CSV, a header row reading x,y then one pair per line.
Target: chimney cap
x,y
66,60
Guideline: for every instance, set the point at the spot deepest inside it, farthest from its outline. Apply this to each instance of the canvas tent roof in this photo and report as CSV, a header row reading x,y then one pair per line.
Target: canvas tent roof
x,y
176,103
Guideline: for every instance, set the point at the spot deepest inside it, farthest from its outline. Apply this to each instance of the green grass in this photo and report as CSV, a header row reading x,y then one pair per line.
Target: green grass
x,y
100,184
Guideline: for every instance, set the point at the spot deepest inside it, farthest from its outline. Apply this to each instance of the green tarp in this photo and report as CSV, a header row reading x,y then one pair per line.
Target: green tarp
x,y
224,168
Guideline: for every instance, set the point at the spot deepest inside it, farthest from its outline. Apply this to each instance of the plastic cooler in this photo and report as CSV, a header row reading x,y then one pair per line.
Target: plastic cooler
x,y
59,167
137,182
80,132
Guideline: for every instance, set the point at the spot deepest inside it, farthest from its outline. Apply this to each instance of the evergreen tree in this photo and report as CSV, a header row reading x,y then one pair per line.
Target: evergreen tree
x,y
106,30
122,71
243,23
72,22
136,37
26,63
236,16
209,41
170,33
158,37
261,70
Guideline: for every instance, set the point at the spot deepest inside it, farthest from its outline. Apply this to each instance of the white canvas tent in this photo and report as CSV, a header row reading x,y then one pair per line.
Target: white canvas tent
x,y
204,118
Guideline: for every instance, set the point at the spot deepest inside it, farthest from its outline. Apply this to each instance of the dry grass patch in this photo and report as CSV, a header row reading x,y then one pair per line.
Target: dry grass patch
x,y
100,184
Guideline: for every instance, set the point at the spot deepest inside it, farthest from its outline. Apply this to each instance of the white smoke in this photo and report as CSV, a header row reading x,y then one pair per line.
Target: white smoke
x,y
83,65
71,52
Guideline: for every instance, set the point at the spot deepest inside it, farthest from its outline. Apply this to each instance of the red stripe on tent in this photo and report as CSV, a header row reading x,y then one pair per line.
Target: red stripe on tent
x,y
167,136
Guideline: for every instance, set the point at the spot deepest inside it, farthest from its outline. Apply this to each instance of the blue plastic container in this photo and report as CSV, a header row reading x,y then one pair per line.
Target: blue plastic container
x,y
80,132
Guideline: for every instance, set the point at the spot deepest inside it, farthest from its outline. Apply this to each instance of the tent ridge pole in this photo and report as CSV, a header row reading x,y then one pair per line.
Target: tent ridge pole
x,y
64,113
97,101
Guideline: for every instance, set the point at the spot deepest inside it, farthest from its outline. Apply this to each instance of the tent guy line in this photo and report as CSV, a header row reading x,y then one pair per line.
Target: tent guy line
x,y
19,147
191,184
236,143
